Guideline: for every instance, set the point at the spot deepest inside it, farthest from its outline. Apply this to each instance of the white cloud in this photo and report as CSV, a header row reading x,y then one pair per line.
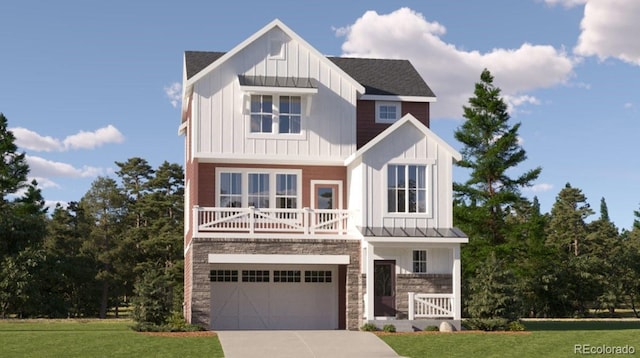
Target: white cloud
x,y
174,93
452,72
30,140
539,188
609,28
566,3
628,105
90,140
514,102
42,168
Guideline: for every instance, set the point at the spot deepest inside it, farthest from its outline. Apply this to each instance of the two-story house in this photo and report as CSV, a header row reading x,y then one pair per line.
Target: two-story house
x,y
316,195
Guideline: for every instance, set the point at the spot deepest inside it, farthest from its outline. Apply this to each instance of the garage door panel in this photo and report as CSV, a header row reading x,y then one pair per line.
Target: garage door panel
x,y
276,305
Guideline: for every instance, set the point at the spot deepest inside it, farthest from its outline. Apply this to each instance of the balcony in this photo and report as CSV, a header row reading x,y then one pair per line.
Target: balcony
x,y
235,222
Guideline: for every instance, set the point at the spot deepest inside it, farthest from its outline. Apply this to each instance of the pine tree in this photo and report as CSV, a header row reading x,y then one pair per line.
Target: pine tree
x,y
491,148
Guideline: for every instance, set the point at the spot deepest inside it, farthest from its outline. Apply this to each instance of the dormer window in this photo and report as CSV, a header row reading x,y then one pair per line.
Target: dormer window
x,y
387,112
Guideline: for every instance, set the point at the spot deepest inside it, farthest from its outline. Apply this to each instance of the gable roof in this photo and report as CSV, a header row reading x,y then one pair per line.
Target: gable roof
x,y
408,119
196,61
386,77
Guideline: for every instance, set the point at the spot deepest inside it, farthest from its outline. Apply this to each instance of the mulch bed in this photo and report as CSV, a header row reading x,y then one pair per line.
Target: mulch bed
x,y
455,332
181,334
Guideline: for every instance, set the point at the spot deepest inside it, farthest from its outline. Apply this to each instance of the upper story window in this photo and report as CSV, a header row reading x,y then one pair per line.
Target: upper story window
x,y
276,114
290,114
387,112
261,113
407,188
260,188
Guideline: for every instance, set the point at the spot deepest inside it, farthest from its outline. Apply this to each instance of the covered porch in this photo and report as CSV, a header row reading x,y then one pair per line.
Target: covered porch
x,y
412,278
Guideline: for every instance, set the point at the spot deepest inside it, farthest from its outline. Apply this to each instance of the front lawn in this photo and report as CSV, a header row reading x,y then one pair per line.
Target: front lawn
x,y
96,338
544,339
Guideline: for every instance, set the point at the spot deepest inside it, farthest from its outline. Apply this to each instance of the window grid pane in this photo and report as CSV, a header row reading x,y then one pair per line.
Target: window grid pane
x,y
420,261
317,276
290,114
258,192
230,190
406,189
223,276
286,276
286,191
261,114
255,276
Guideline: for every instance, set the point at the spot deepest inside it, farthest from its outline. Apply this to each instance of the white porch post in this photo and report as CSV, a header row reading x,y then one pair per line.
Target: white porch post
x,y
455,276
369,272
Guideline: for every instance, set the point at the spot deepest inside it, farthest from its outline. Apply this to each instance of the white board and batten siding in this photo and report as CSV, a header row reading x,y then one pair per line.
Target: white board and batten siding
x,y
404,146
439,259
221,120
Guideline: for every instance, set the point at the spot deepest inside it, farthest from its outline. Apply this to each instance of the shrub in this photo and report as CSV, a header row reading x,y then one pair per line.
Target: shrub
x,y
369,327
175,324
432,329
486,324
389,328
152,300
517,326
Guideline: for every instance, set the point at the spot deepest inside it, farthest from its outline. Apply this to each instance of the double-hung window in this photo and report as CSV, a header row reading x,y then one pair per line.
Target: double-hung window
x,y
275,114
230,192
260,188
407,188
261,113
290,114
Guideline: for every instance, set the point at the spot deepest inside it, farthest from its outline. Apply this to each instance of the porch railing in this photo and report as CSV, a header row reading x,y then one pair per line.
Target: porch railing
x,y
431,305
253,220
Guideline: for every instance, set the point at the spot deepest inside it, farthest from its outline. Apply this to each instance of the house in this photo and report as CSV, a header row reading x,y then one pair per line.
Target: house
x,y
316,195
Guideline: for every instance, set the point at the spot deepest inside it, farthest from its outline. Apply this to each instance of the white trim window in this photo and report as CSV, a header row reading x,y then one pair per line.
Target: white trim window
x,y
387,112
260,188
419,261
290,114
407,189
275,114
261,113
230,190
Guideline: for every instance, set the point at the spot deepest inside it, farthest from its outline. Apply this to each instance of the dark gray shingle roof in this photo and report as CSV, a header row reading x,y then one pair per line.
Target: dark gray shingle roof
x,y
377,76
384,76
196,61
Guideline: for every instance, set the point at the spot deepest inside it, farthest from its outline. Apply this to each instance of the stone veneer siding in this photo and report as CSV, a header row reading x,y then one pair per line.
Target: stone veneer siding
x,y
417,283
202,247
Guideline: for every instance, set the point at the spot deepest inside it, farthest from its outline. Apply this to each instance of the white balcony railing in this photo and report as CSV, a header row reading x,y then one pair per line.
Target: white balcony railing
x,y
266,220
431,305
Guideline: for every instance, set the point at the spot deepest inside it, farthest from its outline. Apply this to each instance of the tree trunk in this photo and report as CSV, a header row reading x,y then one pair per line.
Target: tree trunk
x,y
104,300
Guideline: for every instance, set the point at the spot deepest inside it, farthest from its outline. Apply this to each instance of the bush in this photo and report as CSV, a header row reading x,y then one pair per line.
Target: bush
x,y
517,326
389,328
369,327
486,324
432,329
175,324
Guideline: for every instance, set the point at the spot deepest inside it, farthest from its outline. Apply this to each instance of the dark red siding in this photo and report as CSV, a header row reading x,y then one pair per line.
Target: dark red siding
x,y
367,128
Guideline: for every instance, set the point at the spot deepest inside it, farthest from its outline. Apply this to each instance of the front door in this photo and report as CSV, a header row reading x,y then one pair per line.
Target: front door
x,y
384,288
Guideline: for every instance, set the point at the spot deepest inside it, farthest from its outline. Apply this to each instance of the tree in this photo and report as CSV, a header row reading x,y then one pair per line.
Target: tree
x,y
491,293
567,229
491,148
104,204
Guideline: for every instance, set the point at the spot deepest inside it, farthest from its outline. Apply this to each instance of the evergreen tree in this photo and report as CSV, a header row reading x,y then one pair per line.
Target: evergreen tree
x,y
567,229
104,204
491,148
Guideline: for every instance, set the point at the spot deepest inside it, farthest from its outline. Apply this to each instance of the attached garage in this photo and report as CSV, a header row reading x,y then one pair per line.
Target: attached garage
x,y
266,295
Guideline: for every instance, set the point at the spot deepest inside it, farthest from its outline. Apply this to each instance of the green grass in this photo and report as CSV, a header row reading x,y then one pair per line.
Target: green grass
x,y
545,339
95,338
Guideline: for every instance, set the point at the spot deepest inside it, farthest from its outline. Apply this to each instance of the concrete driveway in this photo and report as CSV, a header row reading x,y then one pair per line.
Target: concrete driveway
x,y
302,344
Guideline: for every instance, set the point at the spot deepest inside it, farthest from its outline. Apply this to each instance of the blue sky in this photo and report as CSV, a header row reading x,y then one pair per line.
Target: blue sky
x,y
88,83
